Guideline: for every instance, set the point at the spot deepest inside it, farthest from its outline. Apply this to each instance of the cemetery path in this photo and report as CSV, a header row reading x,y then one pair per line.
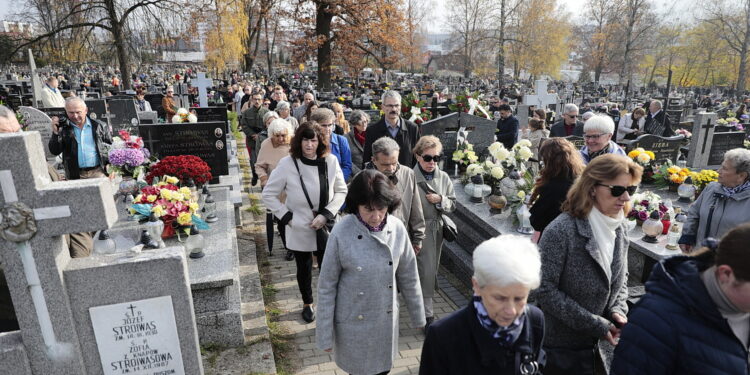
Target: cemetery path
x,y
304,356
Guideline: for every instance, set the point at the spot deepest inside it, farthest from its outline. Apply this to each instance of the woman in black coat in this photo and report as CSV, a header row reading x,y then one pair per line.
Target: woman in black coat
x,y
497,333
562,165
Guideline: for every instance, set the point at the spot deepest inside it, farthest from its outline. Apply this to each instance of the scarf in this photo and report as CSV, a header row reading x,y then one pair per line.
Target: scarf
x,y
737,189
142,105
505,336
359,136
603,151
50,87
738,320
427,175
379,228
604,228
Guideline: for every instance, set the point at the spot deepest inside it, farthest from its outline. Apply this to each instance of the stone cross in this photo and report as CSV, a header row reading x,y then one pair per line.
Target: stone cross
x,y
202,83
703,134
541,99
35,213
36,83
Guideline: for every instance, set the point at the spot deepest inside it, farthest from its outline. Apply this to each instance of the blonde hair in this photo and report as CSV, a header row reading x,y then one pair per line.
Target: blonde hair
x,y
427,142
606,167
338,110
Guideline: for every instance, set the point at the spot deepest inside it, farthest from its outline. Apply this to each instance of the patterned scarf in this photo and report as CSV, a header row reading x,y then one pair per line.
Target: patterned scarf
x,y
427,175
603,151
505,336
379,228
737,189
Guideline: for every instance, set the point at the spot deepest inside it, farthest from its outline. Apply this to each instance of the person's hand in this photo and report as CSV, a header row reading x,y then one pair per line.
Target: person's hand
x,y
254,136
433,198
417,249
686,249
318,222
613,335
55,124
619,320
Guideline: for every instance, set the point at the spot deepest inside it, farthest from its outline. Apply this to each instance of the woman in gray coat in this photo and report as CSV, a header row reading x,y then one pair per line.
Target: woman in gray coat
x,y
437,197
723,204
368,258
584,268
356,138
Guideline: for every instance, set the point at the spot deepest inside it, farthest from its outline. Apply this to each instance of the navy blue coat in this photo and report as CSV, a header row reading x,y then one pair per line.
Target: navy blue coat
x,y
459,345
677,329
507,131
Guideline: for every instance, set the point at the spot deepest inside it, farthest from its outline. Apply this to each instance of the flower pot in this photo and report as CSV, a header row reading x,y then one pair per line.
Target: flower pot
x,y
673,187
128,185
638,222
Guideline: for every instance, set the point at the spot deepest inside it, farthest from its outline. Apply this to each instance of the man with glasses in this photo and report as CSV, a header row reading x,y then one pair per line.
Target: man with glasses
x,y
404,132
168,103
339,145
598,132
569,125
252,124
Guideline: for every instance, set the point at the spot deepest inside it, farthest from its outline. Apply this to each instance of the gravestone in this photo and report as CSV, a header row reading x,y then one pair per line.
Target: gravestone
x,y
542,98
664,148
122,114
206,140
721,143
577,141
202,83
723,128
148,117
212,114
522,114
35,82
38,121
481,131
700,142
97,109
155,101
33,251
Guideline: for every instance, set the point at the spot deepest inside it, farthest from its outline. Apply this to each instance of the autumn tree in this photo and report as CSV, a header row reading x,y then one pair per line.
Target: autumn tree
x,y
597,36
731,21
633,29
507,11
469,20
542,38
415,12
225,39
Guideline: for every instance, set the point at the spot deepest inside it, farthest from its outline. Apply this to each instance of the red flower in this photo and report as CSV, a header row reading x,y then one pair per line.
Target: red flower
x,y
183,167
124,135
418,121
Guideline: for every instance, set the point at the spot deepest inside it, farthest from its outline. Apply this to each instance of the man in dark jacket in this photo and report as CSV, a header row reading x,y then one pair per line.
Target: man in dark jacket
x,y
404,132
83,142
252,124
569,125
507,127
657,121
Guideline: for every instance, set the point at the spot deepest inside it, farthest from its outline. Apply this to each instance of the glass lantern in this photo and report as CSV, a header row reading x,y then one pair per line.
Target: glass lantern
x,y
155,228
687,190
477,189
652,227
524,219
147,241
209,209
195,244
103,244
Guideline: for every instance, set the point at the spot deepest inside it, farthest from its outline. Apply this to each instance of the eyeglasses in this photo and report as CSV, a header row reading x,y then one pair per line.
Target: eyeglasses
x,y
429,158
326,125
617,190
592,136
392,105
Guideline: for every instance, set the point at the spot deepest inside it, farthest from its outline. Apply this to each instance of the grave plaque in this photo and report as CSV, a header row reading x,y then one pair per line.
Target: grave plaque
x,y
481,132
212,114
97,109
663,148
138,337
206,140
700,142
577,141
722,143
155,101
37,120
122,114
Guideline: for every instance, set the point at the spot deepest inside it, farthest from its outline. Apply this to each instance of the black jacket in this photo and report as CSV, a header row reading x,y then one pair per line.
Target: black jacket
x,y
654,125
459,345
547,206
65,142
558,129
407,137
507,131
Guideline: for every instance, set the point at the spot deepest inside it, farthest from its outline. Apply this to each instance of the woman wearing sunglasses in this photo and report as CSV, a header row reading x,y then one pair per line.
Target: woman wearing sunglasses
x,y
584,268
437,197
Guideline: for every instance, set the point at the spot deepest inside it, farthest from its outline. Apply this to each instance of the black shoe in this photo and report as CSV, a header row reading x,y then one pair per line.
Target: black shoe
x,y
308,314
430,319
289,255
255,180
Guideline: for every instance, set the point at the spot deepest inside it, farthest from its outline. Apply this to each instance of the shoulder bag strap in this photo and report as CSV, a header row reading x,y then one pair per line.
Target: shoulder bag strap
x,y
302,182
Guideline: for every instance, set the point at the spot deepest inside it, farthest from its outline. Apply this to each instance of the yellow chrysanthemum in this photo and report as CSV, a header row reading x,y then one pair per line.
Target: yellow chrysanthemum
x,y
151,198
166,193
185,191
193,206
158,210
673,170
651,155
138,198
172,180
633,154
184,218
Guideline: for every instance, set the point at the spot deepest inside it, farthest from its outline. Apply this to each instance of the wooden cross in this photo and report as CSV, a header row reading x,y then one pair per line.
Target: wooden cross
x,y
33,263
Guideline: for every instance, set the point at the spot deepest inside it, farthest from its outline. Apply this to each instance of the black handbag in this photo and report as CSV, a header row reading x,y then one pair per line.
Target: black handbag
x,y
450,231
322,234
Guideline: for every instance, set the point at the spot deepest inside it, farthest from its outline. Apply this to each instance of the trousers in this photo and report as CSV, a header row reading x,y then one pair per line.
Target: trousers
x,y
304,272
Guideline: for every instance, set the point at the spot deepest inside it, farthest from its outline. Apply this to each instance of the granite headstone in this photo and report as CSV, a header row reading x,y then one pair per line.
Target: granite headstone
x,y
37,120
664,148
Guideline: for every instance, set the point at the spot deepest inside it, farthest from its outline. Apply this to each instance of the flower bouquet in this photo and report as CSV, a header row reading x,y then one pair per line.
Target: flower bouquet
x,y
671,175
513,163
644,158
128,157
183,167
414,109
703,178
169,203
471,103
643,204
465,155
184,116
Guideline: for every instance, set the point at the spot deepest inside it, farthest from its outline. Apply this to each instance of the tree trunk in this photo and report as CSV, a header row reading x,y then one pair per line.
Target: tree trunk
x,y
501,50
119,41
742,74
323,20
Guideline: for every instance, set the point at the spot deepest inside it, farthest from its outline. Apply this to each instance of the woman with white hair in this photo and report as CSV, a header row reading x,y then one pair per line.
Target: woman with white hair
x,y
498,332
284,111
597,132
271,151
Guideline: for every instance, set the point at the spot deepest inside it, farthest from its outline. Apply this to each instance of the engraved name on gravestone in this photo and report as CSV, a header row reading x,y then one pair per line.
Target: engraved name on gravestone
x,y
37,120
138,337
664,148
122,114
721,143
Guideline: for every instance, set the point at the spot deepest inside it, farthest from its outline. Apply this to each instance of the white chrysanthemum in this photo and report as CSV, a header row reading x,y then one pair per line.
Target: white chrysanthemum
x,y
522,143
497,172
473,170
495,147
501,154
192,118
488,164
176,119
524,153
644,158
182,111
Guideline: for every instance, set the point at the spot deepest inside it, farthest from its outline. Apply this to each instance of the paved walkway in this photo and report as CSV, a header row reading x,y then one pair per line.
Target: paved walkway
x,y
308,358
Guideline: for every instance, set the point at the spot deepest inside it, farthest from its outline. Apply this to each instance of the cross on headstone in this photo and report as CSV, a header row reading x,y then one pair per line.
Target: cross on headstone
x,y
202,83
132,309
32,248
703,134
705,139
541,99
35,81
